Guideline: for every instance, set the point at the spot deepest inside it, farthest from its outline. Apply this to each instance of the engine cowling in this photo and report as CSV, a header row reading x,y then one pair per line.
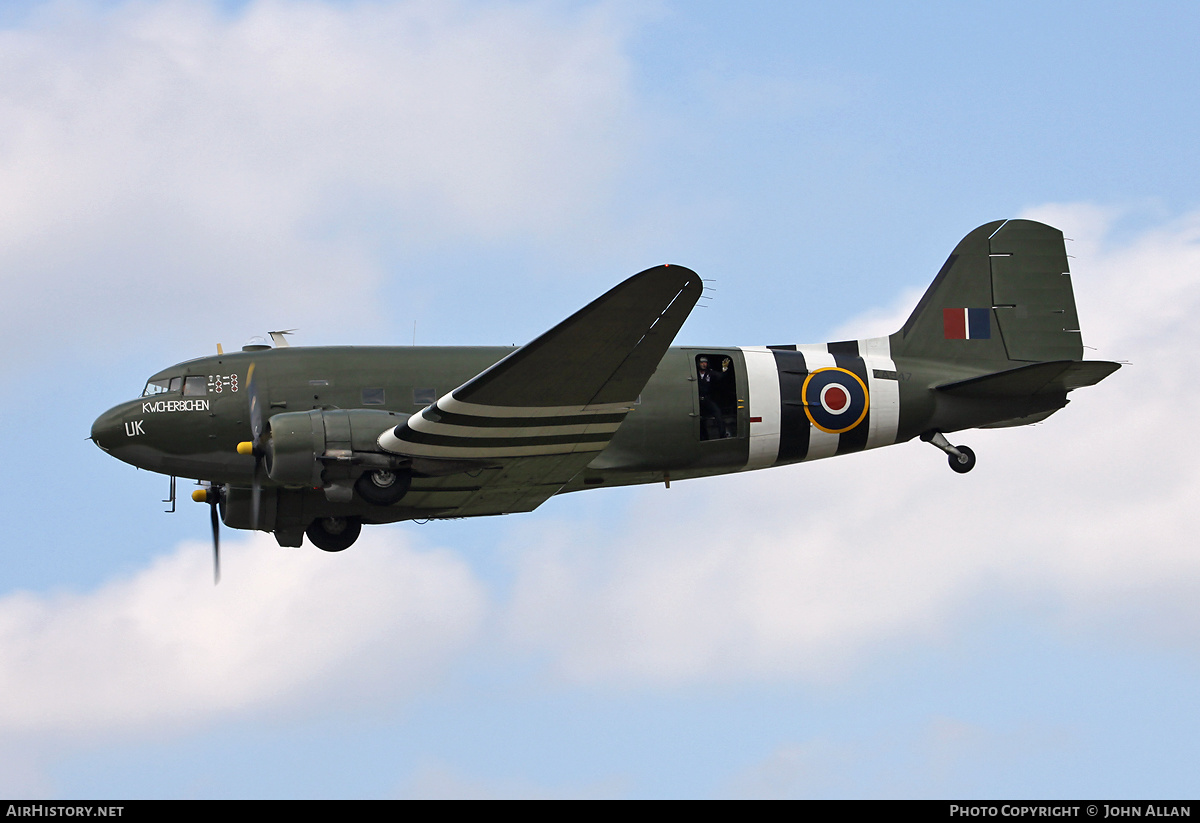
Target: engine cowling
x,y
328,448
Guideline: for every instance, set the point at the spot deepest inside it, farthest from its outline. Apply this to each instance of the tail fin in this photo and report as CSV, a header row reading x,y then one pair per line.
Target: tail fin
x,y
1003,298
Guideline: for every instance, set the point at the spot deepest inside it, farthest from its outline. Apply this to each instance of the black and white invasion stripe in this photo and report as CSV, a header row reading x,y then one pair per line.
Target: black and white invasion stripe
x,y
454,429
781,431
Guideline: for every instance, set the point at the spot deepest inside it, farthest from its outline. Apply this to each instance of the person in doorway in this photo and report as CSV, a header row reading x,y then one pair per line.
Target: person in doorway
x,y
708,379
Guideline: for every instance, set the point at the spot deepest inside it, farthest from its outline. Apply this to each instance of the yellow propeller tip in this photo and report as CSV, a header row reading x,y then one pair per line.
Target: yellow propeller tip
x,y
245,448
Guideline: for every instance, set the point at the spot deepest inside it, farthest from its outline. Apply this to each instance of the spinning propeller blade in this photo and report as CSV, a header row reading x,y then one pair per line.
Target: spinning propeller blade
x,y
256,418
212,496
256,431
216,529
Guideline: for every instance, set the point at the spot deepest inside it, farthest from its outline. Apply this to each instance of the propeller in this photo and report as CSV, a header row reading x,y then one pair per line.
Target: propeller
x,y
216,527
256,418
255,445
212,496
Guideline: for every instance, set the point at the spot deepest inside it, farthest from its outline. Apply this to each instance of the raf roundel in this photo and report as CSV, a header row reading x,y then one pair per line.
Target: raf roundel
x,y
835,400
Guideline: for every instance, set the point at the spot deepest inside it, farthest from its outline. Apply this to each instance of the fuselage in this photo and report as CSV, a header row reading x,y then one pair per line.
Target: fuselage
x,y
192,415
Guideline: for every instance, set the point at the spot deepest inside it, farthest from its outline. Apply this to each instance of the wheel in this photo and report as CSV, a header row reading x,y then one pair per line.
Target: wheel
x,y
334,534
382,487
963,464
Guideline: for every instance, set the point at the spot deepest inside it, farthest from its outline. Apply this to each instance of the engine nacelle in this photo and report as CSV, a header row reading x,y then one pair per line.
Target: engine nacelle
x,y
303,447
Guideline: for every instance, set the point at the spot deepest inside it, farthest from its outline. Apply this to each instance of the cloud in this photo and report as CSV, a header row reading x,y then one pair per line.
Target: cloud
x,y
186,163
164,650
807,571
879,321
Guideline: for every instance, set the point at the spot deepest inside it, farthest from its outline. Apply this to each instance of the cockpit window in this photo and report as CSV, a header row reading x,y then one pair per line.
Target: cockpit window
x,y
195,385
162,386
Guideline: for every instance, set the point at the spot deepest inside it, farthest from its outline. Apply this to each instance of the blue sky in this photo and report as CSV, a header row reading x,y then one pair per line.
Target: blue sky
x,y
178,174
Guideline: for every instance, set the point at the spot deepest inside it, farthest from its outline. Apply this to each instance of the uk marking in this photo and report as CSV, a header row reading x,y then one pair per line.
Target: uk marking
x,y
134,427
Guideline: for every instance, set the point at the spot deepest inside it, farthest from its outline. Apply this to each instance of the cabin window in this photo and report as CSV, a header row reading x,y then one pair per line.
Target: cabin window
x,y
717,387
372,397
195,385
423,397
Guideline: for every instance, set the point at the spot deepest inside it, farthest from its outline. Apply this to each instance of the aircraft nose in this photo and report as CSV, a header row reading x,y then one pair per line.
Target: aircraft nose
x,y
108,428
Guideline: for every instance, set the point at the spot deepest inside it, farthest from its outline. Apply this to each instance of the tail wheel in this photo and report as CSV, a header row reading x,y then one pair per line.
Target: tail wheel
x,y
382,487
962,464
334,534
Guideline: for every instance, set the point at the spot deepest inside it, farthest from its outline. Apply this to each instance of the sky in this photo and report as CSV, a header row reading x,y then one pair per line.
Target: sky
x,y
179,174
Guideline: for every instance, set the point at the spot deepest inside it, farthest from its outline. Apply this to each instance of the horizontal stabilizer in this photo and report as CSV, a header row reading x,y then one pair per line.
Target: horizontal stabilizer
x,y
1054,377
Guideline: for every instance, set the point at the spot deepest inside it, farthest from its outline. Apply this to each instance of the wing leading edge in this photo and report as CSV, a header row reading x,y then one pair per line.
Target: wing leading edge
x,y
541,414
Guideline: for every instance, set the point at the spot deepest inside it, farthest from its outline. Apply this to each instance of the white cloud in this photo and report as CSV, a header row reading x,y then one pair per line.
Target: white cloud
x,y
165,650
806,571
180,163
878,321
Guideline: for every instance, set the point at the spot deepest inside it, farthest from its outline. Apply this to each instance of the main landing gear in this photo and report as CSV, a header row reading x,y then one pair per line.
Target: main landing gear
x,y
379,488
382,487
334,534
962,459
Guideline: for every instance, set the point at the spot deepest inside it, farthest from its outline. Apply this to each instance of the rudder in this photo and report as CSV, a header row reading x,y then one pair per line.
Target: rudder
x,y
1003,295
1032,297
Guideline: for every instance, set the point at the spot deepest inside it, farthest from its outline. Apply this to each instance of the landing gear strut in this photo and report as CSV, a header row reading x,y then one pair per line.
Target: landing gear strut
x,y
962,459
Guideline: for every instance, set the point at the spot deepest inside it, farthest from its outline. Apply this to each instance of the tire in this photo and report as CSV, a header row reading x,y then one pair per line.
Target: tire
x,y
334,534
963,466
382,487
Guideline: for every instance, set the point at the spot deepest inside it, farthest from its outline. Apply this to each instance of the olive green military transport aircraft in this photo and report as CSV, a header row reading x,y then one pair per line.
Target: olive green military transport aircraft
x,y
318,441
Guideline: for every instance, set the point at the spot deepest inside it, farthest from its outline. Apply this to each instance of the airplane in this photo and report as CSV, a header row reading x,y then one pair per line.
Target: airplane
x,y
318,441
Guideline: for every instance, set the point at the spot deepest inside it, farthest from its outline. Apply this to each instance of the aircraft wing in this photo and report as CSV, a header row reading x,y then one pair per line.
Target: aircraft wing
x,y
532,421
